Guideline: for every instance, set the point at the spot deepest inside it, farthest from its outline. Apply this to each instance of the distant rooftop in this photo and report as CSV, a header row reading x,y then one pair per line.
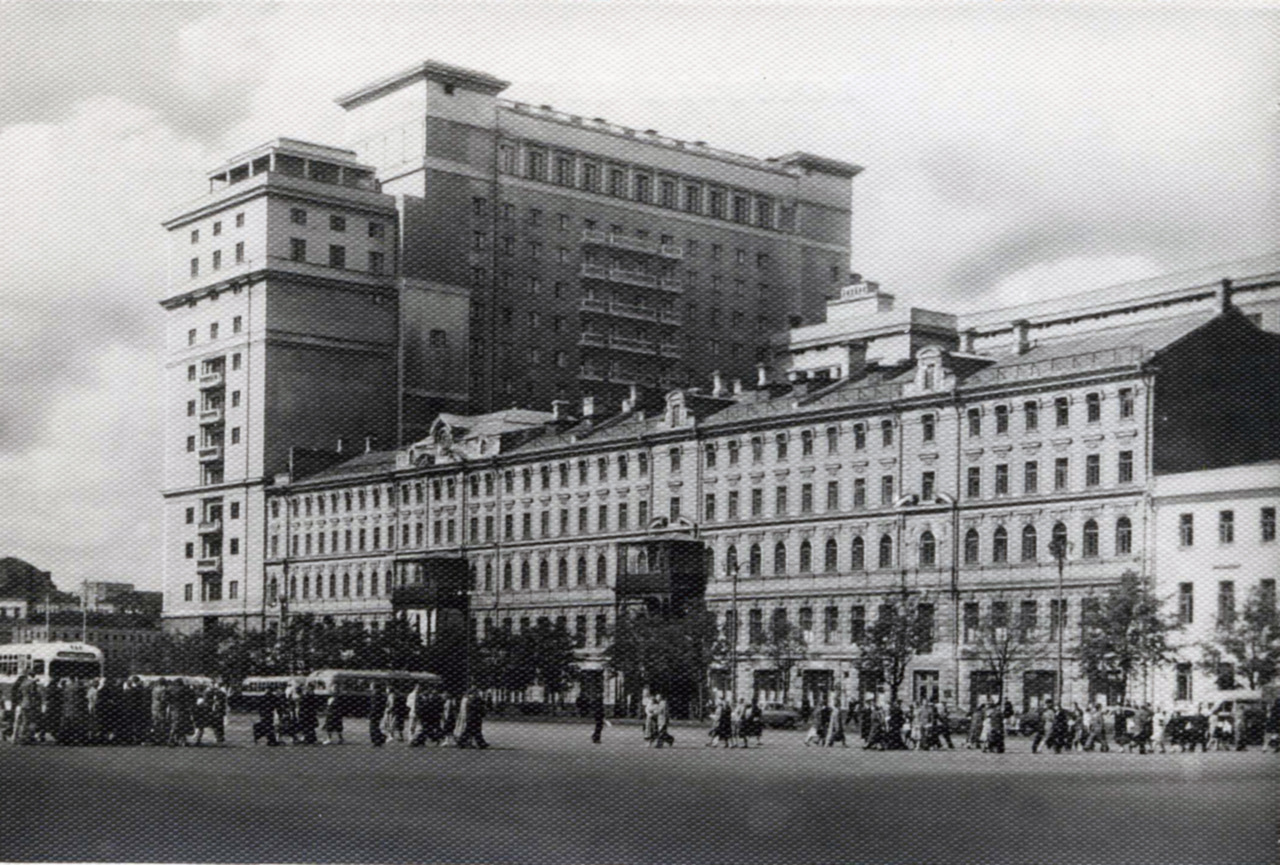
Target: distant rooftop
x,y
428,69
296,158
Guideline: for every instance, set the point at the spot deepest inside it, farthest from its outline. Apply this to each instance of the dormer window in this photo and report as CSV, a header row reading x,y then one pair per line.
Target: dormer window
x,y
929,377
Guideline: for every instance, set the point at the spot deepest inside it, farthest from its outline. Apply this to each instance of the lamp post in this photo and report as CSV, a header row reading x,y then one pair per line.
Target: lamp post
x,y
1058,548
731,571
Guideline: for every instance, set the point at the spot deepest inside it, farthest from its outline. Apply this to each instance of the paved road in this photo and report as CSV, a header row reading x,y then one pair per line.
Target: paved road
x,y
543,794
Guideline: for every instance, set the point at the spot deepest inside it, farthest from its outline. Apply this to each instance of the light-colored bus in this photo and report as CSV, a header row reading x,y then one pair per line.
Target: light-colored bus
x,y
245,698
46,662
352,687
197,682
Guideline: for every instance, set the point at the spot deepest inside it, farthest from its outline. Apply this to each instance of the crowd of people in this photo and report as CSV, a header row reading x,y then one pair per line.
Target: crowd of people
x,y
105,711
423,714
735,724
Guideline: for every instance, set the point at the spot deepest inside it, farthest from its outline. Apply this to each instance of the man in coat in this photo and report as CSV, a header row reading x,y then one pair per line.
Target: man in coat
x,y
661,719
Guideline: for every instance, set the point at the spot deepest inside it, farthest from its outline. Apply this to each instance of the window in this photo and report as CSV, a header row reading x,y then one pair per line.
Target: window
x,y
297,249
298,216
1000,546
1002,419
1031,416
928,426
928,550
187,592
780,501
886,551
973,483
240,252
710,455
806,557
1030,477
709,507
830,556
1061,475
886,433
859,436
190,550
1226,527
886,489
833,439
857,624
337,223
1268,525
927,483
1126,402
833,495
757,449
1124,537
1093,407
1090,539
1125,474
858,554
971,550
859,492
1092,470
195,235
377,262
195,267
217,259
674,456
674,509
780,440
1186,530
1002,479
1186,603
1226,603
191,443
806,443
975,422
1029,552
780,558
337,255
1062,411
757,502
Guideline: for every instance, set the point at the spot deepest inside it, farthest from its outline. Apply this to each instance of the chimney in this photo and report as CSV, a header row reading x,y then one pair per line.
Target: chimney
x,y
1222,297
588,406
1022,336
560,409
762,375
633,396
737,386
369,442
717,383
341,446
966,341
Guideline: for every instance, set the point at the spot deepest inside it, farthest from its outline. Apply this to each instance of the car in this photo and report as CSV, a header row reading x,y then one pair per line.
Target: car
x,y
780,715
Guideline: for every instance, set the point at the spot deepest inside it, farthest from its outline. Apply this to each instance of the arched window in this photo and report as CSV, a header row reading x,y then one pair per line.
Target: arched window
x,y
602,571
359,584
731,559
562,573
544,574
373,583
306,586
1124,537
582,570
273,588
928,550
858,554
506,575
475,578
806,557
754,562
524,575
886,551
333,585
971,547
1029,552
1090,539
1000,546
831,557
488,577
1059,539
780,558
293,587
346,585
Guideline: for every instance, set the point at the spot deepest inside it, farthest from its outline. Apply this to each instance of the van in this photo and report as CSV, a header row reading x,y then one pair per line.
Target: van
x,y
1248,712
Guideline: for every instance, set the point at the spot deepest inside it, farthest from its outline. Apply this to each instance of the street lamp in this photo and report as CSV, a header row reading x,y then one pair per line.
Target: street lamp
x,y
281,597
731,571
1058,548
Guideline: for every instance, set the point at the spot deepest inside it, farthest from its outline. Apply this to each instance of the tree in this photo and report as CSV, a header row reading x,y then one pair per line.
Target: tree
x,y
551,651
783,648
503,663
670,655
899,633
1125,633
1249,643
1005,649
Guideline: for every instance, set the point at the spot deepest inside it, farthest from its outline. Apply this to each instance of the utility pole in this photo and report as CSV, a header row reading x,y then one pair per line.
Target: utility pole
x,y
1058,548
731,570
84,611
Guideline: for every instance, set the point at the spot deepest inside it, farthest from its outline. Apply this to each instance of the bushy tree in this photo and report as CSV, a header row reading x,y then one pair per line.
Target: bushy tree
x,y
667,654
1250,642
899,633
1124,634
783,647
1006,648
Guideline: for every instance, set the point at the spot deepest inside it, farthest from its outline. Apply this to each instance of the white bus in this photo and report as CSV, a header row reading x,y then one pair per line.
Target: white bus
x,y
247,696
46,662
352,686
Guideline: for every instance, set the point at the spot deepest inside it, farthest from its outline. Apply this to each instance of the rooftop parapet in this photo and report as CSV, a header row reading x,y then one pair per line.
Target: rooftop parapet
x,y
291,157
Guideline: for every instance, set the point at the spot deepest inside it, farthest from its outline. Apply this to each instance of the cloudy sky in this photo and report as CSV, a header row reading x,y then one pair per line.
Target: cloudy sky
x,y
1012,151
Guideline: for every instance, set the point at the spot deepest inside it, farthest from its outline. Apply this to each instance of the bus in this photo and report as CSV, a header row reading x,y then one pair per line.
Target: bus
x,y
246,696
46,662
197,682
351,687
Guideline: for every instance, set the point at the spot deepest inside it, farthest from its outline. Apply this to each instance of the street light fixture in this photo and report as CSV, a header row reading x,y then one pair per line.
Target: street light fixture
x,y
731,571
1058,548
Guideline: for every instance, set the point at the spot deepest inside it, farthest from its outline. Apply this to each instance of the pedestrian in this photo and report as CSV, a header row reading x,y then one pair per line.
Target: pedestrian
x,y
210,713
944,727
835,728
1097,730
995,738
756,715
449,721
308,716
662,718
75,713
378,698
818,730
1142,723
333,719
1043,727
269,705
471,719
1160,730
597,712
875,729
977,717
24,699
893,727
53,702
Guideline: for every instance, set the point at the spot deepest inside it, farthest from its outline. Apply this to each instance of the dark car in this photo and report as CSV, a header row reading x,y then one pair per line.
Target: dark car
x,y
780,715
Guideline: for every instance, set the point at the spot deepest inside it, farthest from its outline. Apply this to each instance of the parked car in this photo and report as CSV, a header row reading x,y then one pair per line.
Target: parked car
x,y
780,715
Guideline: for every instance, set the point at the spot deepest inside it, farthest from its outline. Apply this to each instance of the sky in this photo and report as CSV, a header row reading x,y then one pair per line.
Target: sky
x,y
1012,151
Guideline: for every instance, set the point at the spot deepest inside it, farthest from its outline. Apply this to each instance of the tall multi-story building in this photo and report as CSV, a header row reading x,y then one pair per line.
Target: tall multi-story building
x,y
595,256
898,456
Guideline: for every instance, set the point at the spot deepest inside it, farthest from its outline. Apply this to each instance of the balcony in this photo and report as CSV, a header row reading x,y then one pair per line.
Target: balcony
x,y
210,453
211,380
629,310
592,373
632,244
672,284
670,316
632,277
590,304
213,414
594,271
598,340
210,527
629,343
671,349
209,565
592,235
670,250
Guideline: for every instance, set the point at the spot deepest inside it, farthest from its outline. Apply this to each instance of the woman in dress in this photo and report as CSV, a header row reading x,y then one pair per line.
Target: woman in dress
x,y
333,719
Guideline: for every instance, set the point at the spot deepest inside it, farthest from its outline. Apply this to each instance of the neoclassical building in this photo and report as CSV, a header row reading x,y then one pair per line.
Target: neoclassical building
x,y
884,451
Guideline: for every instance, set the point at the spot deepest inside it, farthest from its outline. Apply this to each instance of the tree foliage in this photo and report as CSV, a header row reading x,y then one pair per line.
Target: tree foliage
x,y
783,647
1126,633
898,634
1006,649
669,655
1250,643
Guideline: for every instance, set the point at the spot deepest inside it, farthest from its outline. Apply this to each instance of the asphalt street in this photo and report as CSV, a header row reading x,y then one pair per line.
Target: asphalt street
x,y
544,794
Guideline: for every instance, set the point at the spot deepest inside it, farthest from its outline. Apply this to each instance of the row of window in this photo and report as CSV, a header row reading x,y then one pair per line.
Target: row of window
x,y
337,222
1226,601
211,591
212,548
217,228
211,401
376,262
644,185
215,259
237,326
1227,527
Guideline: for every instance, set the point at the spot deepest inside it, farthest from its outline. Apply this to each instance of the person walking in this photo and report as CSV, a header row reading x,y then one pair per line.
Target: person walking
x,y
449,721
1160,730
893,728
471,719
996,731
818,730
378,697
835,728
308,713
1043,727
662,718
944,727
24,691
597,712
333,719
265,726
1142,722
